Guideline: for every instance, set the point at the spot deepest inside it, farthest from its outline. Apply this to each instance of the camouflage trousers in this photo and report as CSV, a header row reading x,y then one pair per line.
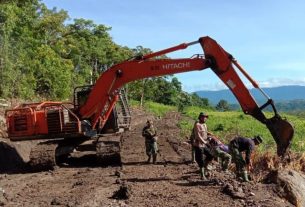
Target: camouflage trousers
x,y
238,159
193,154
203,156
151,147
222,157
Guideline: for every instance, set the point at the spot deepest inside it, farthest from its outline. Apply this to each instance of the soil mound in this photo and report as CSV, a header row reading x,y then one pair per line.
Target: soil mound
x,y
10,160
14,156
123,192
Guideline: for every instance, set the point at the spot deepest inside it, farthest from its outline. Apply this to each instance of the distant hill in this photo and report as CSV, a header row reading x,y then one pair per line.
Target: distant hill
x,y
281,95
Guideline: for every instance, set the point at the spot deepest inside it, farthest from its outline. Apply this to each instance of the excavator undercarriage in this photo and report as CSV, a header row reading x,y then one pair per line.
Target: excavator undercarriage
x,y
105,148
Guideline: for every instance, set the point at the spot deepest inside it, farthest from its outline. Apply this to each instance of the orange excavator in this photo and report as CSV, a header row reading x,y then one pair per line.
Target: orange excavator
x,y
99,112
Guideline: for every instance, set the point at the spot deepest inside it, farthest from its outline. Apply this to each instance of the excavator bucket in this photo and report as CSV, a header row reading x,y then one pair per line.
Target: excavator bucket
x,y
282,132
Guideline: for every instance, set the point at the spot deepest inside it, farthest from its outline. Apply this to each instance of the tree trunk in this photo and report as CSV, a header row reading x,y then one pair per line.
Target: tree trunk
x,y
142,93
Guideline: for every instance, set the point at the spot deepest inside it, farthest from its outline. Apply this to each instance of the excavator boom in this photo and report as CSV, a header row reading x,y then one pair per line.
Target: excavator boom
x,y
215,57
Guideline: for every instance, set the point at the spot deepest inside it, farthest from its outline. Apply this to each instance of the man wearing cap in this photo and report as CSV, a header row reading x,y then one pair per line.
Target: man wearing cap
x,y
247,145
200,144
150,134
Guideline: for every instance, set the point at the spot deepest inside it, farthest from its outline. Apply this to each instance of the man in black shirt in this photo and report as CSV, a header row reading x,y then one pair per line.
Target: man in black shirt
x,y
239,145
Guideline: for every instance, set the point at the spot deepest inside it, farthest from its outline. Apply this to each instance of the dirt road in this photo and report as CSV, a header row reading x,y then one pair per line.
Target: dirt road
x,y
173,181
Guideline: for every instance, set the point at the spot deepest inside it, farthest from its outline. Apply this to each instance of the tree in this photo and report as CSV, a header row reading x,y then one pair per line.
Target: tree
x,y
43,56
184,100
177,84
198,101
16,37
223,105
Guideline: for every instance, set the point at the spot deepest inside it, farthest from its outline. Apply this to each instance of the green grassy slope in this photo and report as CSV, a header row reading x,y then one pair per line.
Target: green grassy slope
x,y
226,125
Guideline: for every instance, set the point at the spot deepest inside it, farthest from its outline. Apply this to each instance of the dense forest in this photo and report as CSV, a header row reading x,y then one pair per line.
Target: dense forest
x,y
44,55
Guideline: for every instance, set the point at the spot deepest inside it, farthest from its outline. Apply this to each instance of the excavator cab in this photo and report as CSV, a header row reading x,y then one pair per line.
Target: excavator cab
x,y
120,117
81,94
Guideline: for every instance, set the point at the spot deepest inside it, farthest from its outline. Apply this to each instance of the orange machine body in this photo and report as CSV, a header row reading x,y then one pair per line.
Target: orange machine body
x,y
42,120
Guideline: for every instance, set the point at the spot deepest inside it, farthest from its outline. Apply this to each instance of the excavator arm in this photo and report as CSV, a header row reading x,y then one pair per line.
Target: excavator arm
x,y
104,94
222,64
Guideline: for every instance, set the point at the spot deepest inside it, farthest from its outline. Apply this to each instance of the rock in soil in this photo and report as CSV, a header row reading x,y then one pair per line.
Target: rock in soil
x,y
234,193
123,193
290,185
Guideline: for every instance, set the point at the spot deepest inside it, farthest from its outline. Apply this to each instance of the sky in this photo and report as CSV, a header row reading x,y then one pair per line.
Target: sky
x,y
267,37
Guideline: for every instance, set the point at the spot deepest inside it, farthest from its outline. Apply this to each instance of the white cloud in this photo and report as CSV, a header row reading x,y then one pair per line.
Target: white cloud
x,y
207,87
274,82
269,83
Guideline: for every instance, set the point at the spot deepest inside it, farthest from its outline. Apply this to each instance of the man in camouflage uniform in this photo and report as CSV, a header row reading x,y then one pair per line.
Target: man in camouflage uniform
x,y
220,151
150,134
247,145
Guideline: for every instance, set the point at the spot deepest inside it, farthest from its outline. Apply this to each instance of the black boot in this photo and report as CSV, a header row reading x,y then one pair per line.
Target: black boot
x,y
154,158
245,176
202,174
149,158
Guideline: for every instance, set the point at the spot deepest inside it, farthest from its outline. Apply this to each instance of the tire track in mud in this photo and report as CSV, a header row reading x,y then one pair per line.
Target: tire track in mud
x,y
174,182
170,150
168,183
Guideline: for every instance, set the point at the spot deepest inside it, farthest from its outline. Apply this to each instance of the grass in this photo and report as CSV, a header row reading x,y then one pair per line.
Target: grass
x,y
157,109
226,125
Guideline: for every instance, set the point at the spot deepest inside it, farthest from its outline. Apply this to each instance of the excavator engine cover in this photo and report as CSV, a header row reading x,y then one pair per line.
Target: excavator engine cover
x,y
282,132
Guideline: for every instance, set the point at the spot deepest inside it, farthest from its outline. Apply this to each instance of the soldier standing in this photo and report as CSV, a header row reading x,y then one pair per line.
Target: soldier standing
x,y
150,134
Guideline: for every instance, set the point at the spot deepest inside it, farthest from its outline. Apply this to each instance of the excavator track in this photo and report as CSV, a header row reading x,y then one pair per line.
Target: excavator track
x,y
108,150
42,156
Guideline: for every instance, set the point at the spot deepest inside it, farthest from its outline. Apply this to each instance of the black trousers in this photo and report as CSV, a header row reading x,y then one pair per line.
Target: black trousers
x,y
203,156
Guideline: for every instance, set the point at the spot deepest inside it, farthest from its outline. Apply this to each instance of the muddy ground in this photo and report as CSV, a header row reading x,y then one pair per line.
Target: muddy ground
x,y
173,181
